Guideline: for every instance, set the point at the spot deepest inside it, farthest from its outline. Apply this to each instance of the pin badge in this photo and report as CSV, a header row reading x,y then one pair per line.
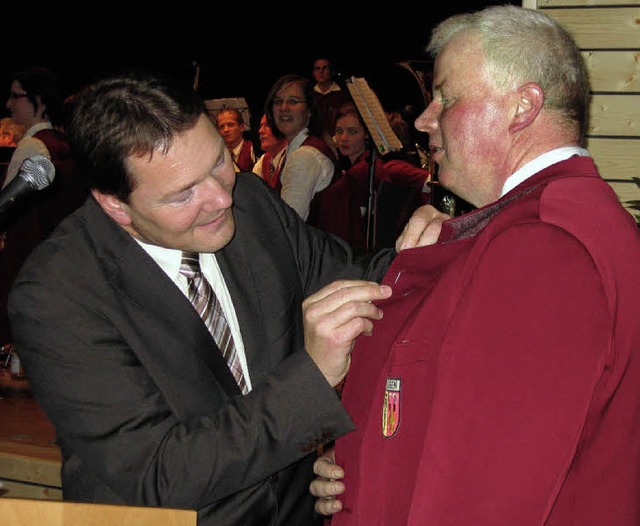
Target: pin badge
x,y
391,407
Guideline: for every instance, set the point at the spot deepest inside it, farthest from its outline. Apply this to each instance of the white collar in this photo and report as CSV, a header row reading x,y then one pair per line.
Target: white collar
x,y
298,140
333,87
38,127
540,163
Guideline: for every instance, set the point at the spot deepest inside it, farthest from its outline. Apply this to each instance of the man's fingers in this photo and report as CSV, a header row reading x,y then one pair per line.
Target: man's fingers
x,y
422,229
339,294
325,486
343,289
326,489
328,506
326,467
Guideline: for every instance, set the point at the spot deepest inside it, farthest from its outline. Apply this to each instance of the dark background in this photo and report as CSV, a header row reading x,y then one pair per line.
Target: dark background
x,y
241,50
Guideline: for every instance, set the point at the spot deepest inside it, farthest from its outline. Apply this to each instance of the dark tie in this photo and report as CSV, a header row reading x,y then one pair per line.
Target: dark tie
x,y
206,303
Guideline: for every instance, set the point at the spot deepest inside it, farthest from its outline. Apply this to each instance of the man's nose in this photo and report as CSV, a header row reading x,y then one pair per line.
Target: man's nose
x,y
427,121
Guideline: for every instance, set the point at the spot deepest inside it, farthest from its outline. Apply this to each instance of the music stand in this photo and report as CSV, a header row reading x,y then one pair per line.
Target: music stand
x,y
383,140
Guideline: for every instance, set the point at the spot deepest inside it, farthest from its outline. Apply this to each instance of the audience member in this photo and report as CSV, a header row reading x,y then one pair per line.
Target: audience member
x,y
231,126
398,189
310,165
145,408
35,101
328,94
270,163
502,385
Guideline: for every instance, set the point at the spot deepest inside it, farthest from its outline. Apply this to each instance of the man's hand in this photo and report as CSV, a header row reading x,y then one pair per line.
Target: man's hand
x,y
422,229
333,317
327,484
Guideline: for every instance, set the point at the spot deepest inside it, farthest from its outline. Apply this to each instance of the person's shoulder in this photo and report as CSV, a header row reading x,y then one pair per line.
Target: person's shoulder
x,y
257,167
61,252
250,186
258,206
310,155
29,145
586,207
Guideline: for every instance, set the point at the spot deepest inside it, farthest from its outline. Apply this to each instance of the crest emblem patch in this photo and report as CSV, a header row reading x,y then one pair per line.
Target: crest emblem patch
x,y
391,407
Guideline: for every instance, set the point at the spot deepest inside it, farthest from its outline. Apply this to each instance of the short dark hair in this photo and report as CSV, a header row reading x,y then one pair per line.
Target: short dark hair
x,y
40,81
128,115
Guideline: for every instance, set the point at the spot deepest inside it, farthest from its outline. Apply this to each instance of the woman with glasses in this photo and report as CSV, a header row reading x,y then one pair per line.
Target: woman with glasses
x,y
36,101
311,165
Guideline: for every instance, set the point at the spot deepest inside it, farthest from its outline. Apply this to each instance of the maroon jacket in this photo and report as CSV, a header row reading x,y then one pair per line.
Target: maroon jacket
x,y
245,160
271,174
502,386
398,191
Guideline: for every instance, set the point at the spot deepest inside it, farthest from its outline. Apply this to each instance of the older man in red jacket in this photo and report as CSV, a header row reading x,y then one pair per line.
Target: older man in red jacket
x,y
502,386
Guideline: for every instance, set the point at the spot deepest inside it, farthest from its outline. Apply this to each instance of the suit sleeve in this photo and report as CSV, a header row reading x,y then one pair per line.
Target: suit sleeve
x,y
126,423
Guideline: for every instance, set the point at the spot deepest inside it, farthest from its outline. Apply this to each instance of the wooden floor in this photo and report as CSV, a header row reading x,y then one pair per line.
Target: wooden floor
x,y
29,458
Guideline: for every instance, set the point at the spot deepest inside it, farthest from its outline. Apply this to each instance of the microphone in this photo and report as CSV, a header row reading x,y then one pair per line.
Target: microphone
x,y
35,173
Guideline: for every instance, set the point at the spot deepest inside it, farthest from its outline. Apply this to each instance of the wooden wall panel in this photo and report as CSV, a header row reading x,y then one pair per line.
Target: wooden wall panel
x,y
577,3
617,71
608,33
614,115
592,27
616,158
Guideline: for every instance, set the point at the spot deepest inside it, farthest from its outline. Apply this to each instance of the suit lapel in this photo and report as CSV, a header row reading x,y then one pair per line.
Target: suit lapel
x,y
164,329
245,291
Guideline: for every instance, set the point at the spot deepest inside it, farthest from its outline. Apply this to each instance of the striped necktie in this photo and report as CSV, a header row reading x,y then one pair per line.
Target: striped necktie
x,y
206,303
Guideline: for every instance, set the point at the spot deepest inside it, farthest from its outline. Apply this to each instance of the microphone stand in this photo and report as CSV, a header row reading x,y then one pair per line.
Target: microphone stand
x,y
371,201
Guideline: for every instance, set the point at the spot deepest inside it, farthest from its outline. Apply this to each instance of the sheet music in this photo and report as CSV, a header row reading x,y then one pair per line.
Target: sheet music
x,y
373,116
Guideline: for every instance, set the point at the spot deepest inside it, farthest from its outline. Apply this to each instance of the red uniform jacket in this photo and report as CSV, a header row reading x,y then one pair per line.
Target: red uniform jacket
x,y
398,189
245,160
502,386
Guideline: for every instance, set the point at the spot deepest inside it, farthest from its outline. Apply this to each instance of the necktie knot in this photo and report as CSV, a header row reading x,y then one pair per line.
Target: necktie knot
x,y
190,264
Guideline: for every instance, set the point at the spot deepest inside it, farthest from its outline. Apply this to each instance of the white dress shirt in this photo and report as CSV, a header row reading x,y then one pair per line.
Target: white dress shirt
x,y
306,172
169,261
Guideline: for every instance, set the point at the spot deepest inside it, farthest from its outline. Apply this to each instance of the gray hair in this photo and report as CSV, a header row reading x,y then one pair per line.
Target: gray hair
x,y
525,45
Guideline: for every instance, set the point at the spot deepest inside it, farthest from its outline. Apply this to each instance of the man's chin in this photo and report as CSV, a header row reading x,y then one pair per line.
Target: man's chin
x,y
219,237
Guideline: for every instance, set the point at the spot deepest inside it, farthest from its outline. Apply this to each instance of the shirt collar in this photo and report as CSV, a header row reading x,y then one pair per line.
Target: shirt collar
x,y
169,259
298,140
540,163
38,127
333,87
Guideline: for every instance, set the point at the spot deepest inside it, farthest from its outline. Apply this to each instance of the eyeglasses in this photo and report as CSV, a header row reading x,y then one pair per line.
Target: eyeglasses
x,y
291,101
13,95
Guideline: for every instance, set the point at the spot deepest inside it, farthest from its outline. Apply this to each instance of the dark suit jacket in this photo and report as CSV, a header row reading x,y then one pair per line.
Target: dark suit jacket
x,y
144,406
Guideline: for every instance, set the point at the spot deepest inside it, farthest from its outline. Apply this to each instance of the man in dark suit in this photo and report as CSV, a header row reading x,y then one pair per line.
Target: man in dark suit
x,y
145,408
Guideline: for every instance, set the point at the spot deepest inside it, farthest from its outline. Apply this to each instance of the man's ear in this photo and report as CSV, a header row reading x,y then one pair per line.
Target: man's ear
x,y
115,209
529,102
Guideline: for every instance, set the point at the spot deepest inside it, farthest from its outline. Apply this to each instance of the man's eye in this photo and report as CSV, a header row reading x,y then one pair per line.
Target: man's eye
x,y
181,198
